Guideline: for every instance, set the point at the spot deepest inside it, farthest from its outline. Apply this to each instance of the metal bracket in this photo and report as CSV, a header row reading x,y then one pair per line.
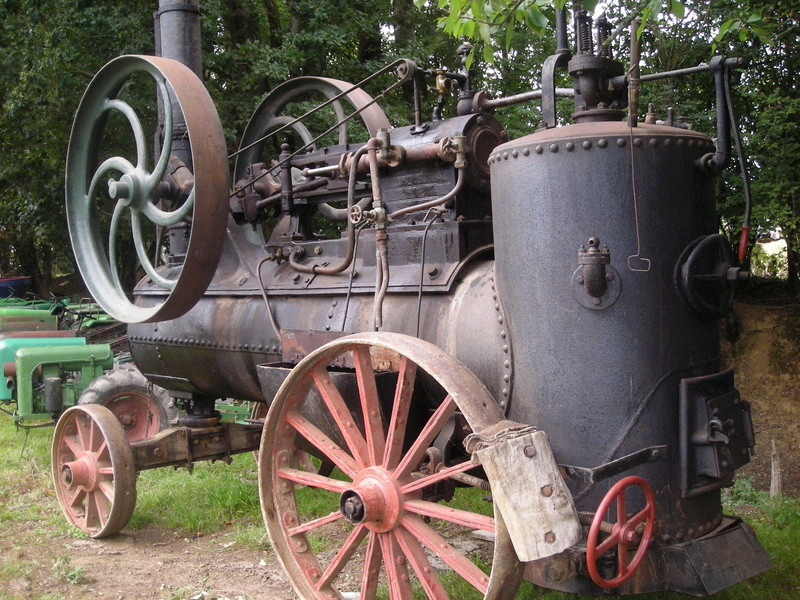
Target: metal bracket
x,y
586,477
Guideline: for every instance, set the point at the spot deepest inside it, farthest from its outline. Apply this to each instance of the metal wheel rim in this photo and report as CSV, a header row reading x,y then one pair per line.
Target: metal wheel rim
x,y
208,209
93,470
397,532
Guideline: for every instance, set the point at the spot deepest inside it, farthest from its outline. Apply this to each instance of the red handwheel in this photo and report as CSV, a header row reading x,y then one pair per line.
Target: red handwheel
x,y
625,534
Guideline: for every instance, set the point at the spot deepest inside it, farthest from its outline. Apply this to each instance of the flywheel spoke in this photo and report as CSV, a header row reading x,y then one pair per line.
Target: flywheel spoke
x,y
136,127
166,146
141,252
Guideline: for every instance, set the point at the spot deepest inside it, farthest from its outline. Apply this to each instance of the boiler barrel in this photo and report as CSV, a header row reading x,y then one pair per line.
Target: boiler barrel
x,y
600,373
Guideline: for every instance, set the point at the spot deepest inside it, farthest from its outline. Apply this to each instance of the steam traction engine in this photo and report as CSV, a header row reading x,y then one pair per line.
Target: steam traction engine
x,y
535,318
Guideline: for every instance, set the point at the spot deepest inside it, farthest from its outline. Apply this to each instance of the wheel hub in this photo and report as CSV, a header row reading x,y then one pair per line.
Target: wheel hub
x,y
374,500
80,473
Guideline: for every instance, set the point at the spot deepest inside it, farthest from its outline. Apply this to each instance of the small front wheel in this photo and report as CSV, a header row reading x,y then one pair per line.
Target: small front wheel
x,y
93,470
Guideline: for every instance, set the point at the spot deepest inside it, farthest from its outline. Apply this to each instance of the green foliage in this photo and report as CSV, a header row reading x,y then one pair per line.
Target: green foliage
x,y
62,569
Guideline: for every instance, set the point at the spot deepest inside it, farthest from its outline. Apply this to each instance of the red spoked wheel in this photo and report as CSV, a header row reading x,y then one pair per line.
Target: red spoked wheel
x,y
626,533
376,531
93,470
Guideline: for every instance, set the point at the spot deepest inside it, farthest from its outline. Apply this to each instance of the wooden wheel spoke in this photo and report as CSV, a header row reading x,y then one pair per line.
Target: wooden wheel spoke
x,y
77,497
372,568
608,543
422,567
342,557
341,414
325,444
450,514
73,445
422,482
315,523
432,428
83,435
102,504
370,404
108,489
313,480
452,557
396,570
400,408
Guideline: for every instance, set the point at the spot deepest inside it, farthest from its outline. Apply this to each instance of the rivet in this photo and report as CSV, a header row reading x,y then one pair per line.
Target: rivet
x,y
506,377
569,146
500,320
602,143
681,142
586,144
596,301
553,147
538,149
260,347
667,142
497,307
549,537
335,303
547,491
526,151
530,451
514,153
621,142
505,392
505,155
507,365
503,334
505,348
637,142
690,143
327,327
330,315
653,142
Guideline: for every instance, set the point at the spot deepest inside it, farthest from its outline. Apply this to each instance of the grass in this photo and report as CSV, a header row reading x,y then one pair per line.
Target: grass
x,y
223,499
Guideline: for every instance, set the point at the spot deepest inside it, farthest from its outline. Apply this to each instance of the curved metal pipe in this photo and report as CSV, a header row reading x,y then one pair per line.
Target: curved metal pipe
x,y
426,205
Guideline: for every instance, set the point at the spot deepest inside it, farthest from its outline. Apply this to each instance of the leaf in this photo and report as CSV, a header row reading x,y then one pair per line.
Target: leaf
x,y
677,8
726,26
509,37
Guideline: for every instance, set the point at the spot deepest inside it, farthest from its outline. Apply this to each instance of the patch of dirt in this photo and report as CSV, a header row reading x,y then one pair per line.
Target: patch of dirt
x,y
149,563
766,355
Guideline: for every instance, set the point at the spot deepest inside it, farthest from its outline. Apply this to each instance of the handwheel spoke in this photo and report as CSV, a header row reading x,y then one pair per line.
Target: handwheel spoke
x,y
427,480
450,514
622,512
144,260
421,565
316,523
400,407
449,555
622,559
136,126
432,428
608,543
372,568
341,414
342,557
639,517
370,404
313,480
326,445
396,570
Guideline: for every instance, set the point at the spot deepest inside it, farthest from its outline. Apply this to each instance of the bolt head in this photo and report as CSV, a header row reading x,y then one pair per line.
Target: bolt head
x,y
530,451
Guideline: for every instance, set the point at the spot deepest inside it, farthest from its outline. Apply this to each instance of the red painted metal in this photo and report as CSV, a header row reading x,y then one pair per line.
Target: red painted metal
x,y
377,512
137,414
624,532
